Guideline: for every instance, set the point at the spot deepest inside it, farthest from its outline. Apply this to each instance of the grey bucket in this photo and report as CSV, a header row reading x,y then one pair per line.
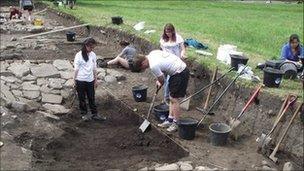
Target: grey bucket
x,y
289,69
219,133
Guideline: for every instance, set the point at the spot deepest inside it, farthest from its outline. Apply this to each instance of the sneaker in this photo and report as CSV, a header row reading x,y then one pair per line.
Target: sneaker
x,y
165,124
173,127
87,117
98,117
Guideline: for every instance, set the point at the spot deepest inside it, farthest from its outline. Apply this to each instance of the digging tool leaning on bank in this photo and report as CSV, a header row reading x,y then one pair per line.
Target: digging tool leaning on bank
x,y
163,63
86,79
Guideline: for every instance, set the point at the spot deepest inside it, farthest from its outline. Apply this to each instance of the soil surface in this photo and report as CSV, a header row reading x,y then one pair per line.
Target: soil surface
x,y
116,143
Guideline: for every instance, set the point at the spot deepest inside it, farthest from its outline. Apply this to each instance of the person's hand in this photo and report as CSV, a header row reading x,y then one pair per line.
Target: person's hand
x,y
158,84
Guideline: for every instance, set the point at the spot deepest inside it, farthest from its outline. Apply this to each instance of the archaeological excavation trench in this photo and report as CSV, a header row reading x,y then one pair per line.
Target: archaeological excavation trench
x,y
60,141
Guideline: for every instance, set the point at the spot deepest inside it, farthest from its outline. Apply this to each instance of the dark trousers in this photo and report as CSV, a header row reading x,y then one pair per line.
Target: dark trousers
x,y
86,89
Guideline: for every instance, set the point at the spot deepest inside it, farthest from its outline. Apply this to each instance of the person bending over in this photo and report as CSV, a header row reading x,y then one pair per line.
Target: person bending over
x,y
86,79
164,63
173,43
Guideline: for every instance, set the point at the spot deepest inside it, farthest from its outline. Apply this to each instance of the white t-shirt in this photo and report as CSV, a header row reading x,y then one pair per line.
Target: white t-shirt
x,y
85,72
165,63
172,47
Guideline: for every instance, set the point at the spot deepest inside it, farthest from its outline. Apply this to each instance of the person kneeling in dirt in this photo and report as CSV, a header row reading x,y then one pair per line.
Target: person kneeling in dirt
x,y
163,63
86,79
125,58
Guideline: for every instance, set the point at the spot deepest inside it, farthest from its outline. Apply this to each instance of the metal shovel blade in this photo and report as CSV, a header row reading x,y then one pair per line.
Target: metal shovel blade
x,y
143,127
264,140
234,123
185,105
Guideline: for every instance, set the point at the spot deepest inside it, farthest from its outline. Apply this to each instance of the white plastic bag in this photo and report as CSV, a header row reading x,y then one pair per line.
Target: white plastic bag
x,y
139,26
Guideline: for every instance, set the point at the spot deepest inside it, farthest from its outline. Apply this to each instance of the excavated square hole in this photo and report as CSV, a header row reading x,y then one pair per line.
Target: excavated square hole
x,y
113,144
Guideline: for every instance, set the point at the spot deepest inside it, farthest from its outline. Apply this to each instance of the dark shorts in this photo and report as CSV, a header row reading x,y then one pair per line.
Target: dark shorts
x,y
178,84
28,7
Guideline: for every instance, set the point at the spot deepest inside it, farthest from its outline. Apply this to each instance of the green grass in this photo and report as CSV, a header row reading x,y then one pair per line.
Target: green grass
x,y
258,29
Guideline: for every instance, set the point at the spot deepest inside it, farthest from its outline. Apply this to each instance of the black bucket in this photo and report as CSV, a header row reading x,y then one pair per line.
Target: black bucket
x,y
117,20
140,93
219,133
274,63
272,77
187,128
236,60
161,112
71,36
289,69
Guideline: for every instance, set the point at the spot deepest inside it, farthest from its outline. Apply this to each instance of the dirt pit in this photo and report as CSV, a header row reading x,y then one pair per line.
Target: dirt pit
x,y
113,144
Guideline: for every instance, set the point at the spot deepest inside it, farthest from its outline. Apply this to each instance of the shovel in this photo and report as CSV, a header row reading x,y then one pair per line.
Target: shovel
x,y
265,138
235,122
208,112
272,155
143,127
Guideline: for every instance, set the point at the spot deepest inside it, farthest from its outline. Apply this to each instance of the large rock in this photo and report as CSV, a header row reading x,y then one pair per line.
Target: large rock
x,y
41,81
63,65
18,106
45,70
31,94
170,167
66,93
66,74
56,83
55,108
48,115
19,69
17,92
46,89
51,98
185,165
29,86
9,79
288,166
32,105
69,83
29,78
6,93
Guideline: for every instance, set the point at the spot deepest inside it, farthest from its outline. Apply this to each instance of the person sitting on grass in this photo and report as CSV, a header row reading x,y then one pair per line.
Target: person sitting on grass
x,y
125,58
293,51
85,78
173,43
164,63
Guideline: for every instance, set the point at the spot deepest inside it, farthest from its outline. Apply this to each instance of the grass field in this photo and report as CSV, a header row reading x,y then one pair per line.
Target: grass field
x,y
258,29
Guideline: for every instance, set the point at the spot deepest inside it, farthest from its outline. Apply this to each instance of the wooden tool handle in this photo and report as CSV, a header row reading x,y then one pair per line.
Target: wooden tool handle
x,y
210,88
286,130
